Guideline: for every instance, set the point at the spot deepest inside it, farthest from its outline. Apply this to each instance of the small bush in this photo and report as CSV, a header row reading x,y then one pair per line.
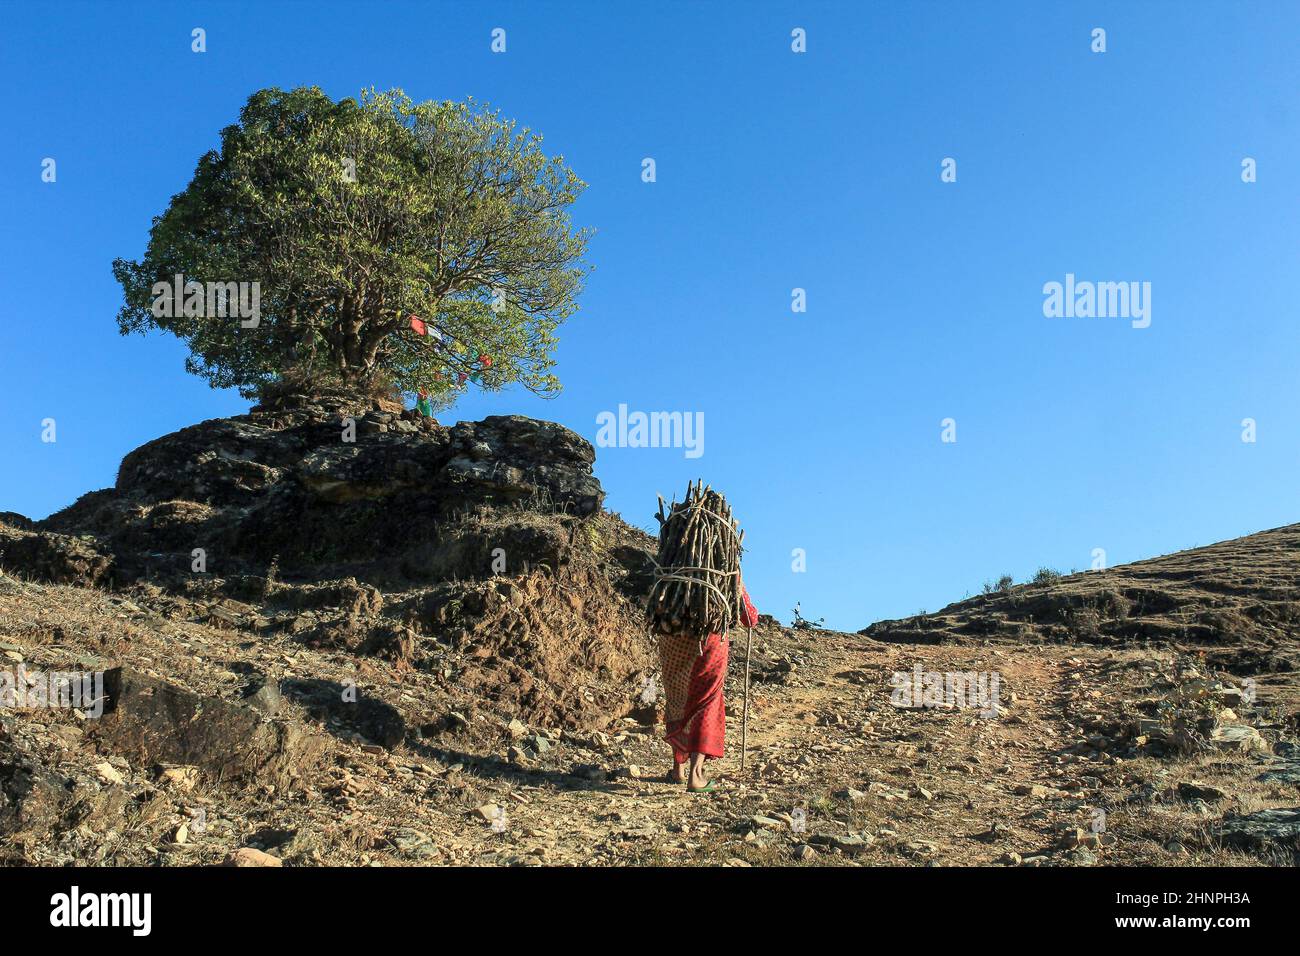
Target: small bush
x,y
1047,576
1001,586
1085,624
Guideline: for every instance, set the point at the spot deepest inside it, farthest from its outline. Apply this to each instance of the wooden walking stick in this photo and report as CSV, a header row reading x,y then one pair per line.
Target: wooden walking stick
x,y
744,714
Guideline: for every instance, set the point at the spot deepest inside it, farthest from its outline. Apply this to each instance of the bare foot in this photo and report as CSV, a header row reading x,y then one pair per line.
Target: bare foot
x,y
697,780
677,774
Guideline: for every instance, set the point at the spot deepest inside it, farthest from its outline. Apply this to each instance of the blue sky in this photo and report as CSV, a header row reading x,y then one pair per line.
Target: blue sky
x,y
775,171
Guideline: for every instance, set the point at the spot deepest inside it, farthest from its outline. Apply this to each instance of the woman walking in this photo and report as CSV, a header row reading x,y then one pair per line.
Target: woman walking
x,y
694,713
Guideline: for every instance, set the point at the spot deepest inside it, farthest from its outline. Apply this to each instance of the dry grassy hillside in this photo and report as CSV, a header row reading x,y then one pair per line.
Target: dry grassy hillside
x,y
1236,602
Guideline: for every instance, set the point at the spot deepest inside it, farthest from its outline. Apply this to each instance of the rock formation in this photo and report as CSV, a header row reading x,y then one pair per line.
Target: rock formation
x,y
351,525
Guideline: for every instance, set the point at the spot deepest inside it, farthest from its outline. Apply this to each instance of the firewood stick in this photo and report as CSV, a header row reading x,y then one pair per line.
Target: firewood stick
x,y
744,716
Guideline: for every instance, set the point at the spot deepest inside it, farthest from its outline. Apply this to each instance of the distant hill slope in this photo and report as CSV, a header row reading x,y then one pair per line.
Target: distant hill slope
x,y
1237,600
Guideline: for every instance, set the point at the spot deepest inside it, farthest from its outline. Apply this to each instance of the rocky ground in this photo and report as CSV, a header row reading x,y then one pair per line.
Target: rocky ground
x,y
333,697
836,773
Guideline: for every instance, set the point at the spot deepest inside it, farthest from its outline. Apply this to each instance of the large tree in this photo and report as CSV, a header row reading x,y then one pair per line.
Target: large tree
x,y
353,217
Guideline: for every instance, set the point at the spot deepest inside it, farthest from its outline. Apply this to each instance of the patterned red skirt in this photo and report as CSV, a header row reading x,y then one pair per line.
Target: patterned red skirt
x,y
694,713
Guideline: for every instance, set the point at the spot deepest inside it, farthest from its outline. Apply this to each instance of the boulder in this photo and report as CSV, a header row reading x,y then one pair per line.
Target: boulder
x,y
1196,790
1285,767
150,721
251,856
1277,830
1241,738
850,843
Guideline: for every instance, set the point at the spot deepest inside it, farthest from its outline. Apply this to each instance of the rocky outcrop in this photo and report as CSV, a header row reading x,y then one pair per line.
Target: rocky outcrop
x,y
509,458
1275,831
58,558
478,553
14,520
316,485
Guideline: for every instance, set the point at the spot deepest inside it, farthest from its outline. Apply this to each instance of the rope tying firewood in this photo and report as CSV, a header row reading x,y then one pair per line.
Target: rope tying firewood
x,y
696,587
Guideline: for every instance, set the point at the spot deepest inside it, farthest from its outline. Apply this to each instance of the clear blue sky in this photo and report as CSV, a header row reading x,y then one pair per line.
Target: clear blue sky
x,y
775,170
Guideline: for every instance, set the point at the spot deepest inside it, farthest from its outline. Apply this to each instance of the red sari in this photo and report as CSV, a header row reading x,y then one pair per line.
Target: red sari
x,y
694,713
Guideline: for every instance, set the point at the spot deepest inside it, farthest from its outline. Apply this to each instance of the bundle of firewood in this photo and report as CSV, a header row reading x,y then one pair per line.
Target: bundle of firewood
x,y
697,588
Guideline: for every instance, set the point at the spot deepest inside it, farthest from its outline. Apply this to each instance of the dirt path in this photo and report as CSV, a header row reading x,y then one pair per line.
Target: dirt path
x,y
838,772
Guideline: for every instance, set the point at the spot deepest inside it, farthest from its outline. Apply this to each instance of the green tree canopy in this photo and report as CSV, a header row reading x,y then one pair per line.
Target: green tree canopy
x,y
352,217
